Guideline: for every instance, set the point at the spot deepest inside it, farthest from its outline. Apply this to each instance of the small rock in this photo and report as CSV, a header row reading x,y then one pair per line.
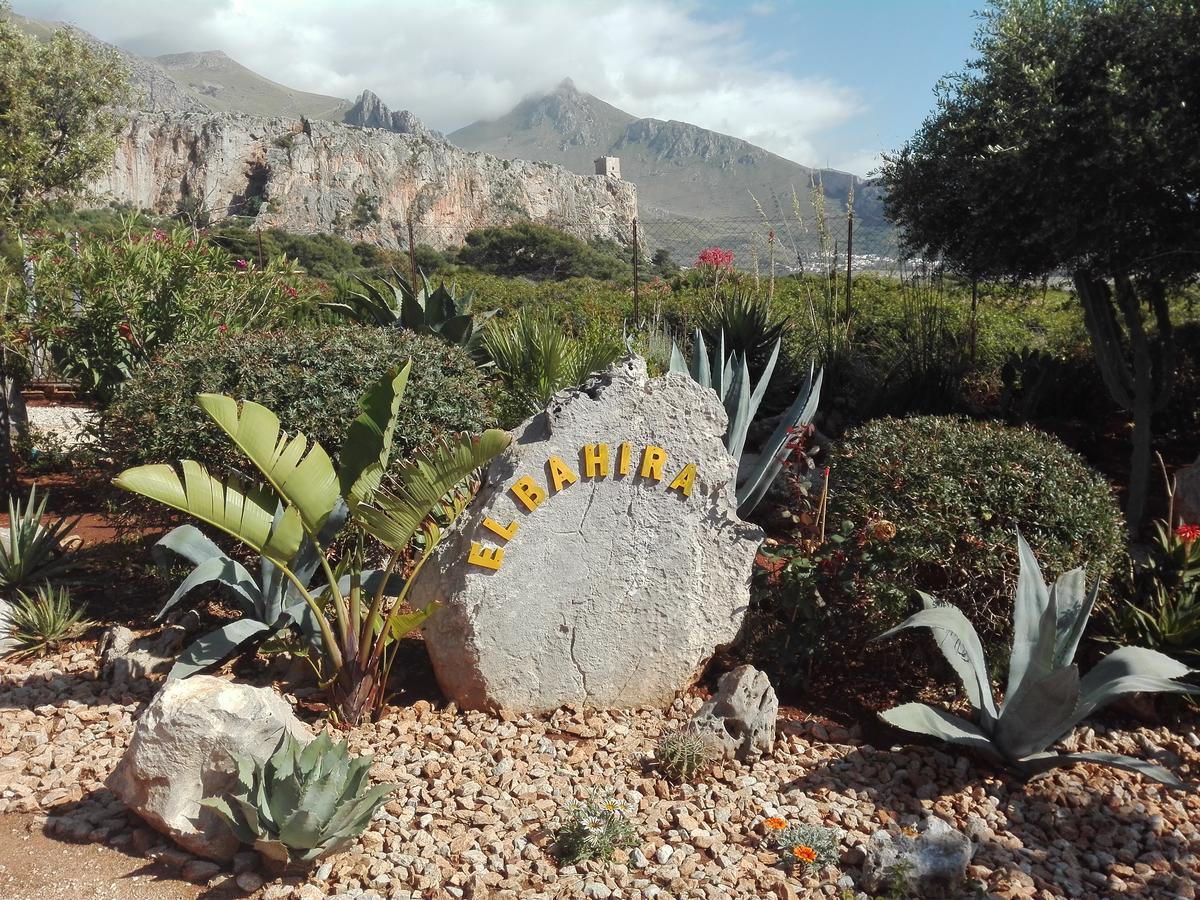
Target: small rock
x,y
741,716
249,881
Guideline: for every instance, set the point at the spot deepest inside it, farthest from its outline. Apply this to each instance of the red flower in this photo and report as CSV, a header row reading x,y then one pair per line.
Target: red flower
x,y
241,264
159,234
125,331
1188,533
291,292
222,328
715,258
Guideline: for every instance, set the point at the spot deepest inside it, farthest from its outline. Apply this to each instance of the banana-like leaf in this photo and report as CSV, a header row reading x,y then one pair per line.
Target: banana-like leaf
x,y
394,517
405,623
1043,763
1029,603
1128,670
307,481
217,646
920,718
246,512
1039,713
368,444
962,650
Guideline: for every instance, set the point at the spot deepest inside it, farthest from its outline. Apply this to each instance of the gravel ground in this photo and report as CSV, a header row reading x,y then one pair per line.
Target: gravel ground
x,y
479,796
65,424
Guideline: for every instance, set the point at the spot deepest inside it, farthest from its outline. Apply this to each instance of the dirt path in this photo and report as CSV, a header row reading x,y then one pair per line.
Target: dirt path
x,y
34,866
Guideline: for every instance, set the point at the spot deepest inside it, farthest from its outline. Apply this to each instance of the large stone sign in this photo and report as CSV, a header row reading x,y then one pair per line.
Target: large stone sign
x,y
603,561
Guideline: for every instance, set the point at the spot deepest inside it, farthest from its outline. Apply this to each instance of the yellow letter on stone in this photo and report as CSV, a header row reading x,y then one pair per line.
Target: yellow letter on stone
x,y
623,458
561,475
505,531
529,492
653,460
488,557
683,481
595,460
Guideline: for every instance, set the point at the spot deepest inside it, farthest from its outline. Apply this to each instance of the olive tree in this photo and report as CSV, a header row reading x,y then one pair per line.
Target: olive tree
x,y
58,126
1070,145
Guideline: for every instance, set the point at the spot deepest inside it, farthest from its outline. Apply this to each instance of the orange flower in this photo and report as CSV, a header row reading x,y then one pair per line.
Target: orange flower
x,y
883,530
775,823
804,854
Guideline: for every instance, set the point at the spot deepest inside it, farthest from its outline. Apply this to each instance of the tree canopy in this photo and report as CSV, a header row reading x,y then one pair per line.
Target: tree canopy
x,y
1070,143
57,118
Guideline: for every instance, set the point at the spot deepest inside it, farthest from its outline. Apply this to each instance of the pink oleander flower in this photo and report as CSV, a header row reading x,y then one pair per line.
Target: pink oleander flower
x,y
241,264
716,258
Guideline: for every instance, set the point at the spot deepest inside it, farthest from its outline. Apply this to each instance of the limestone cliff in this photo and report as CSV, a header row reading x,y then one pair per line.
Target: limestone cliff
x,y
314,176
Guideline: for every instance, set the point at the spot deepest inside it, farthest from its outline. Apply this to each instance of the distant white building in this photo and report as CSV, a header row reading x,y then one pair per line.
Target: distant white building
x,y
609,167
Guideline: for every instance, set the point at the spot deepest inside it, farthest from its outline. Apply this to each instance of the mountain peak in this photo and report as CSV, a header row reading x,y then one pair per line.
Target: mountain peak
x,y
566,86
369,111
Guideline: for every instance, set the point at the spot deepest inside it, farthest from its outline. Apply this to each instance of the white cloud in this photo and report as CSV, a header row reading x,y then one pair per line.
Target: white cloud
x,y
454,61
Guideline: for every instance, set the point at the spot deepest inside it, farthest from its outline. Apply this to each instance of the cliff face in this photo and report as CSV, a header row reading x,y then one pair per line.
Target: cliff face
x,y
312,176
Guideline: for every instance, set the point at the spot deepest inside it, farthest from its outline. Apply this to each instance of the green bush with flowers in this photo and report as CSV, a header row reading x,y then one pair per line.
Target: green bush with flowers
x,y
103,306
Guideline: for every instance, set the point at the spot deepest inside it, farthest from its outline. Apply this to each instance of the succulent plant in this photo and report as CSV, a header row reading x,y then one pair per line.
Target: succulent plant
x,y
729,376
38,622
303,803
683,753
33,552
397,303
1045,698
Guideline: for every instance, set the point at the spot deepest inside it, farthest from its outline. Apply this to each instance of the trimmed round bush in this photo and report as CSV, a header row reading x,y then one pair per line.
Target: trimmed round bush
x,y
311,377
956,491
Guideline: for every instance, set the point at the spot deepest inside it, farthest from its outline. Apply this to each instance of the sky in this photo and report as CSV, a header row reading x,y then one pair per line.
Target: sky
x,y
822,82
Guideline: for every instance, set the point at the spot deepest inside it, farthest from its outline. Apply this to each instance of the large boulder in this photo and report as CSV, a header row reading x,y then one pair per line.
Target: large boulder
x,y
183,750
603,561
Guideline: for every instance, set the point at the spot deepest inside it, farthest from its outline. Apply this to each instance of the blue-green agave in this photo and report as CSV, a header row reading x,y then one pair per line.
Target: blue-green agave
x,y
1045,697
729,376
303,803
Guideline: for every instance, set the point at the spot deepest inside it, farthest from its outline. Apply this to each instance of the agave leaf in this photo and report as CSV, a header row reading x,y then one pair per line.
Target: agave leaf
x,y
920,718
302,829
272,849
218,645
241,511
234,819
368,444
395,516
1040,658
764,380
737,409
1128,670
962,650
1075,603
225,571
1043,763
313,751
353,816
256,821
700,370
678,363
306,481
187,541
1029,604
1039,714
753,486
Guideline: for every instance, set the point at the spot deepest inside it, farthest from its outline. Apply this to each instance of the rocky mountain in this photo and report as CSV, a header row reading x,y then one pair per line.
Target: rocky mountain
x,y
314,176
369,111
682,171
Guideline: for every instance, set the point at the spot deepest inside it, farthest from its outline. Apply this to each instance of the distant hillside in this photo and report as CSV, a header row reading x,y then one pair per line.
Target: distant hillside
x,y
681,170
225,85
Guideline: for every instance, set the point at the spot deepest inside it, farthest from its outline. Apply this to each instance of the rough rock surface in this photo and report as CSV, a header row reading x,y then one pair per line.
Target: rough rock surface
x,y
616,589
307,176
1187,493
369,111
741,715
182,750
125,657
933,863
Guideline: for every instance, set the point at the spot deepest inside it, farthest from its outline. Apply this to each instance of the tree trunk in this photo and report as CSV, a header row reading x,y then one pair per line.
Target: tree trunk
x,y
1138,372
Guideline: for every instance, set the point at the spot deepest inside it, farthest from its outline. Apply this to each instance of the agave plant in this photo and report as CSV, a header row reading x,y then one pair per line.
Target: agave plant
x,y
396,303
359,613
1045,697
35,623
303,803
729,376
744,322
269,603
33,552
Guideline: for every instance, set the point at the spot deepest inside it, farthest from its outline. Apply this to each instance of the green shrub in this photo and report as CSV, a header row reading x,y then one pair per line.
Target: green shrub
x,y
956,491
542,252
311,377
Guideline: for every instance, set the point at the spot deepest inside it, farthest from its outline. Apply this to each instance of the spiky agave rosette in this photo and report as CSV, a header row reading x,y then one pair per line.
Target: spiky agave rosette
x,y
1045,697
303,803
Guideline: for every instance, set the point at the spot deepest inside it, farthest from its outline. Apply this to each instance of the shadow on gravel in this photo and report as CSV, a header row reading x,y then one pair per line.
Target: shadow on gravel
x,y
31,690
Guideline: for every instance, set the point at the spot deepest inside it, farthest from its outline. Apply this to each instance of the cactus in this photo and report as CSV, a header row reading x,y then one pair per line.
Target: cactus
x,y
730,378
684,753
302,803
1045,698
